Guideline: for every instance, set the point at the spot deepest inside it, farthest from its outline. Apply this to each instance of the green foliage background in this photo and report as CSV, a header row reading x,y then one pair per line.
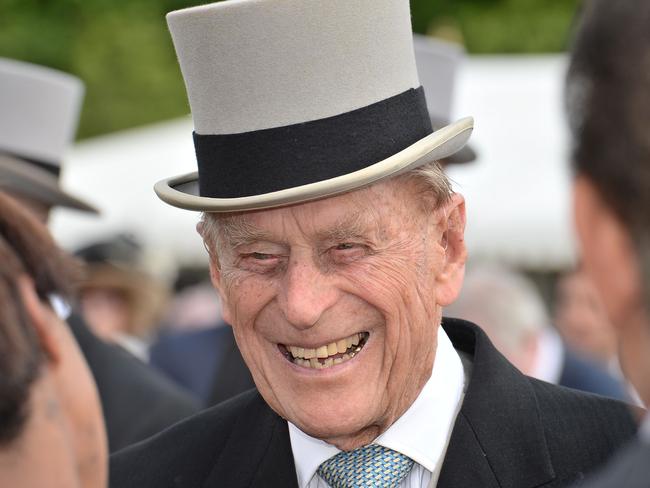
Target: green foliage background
x,y
122,50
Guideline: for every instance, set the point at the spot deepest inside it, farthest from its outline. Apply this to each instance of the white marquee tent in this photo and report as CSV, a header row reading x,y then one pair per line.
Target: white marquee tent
x,y
518,192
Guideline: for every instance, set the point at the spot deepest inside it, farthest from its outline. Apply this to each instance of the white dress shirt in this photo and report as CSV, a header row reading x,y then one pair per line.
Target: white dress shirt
x,y
422,433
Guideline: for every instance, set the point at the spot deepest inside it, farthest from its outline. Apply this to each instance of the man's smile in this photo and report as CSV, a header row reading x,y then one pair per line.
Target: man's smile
x,y
326,355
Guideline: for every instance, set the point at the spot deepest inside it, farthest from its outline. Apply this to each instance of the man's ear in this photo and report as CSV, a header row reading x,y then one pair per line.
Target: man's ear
x,y
43,319
450,277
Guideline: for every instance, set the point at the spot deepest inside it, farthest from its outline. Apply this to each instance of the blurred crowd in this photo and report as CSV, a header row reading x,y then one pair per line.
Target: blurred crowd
x,y
157,348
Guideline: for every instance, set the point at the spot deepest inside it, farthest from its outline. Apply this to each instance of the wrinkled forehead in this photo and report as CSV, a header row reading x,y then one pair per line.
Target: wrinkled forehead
x,y
358,213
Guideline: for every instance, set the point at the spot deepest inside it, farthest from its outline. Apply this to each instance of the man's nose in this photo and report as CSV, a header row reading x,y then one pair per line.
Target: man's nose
x,y
307,294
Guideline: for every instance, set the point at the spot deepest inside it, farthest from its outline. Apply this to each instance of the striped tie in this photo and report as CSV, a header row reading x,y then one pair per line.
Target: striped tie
x,y
370,466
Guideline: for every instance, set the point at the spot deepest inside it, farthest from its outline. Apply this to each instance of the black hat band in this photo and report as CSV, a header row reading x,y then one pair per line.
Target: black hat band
x,y
263,161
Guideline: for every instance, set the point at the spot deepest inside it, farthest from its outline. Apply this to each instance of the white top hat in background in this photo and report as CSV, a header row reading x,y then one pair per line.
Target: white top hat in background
x,y
299,99
39,112
438,62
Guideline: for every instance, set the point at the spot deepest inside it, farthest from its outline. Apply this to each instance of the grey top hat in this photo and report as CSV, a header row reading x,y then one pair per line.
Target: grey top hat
x,y
39,112
437,62
294,100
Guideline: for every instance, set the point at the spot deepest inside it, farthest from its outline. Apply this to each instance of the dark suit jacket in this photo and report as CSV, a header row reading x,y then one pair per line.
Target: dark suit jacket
x,y
137,401
583,374
206,362
630,468
512,432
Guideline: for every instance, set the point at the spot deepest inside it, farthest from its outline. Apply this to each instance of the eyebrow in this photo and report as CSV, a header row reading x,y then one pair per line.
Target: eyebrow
x,y
349,227
238,232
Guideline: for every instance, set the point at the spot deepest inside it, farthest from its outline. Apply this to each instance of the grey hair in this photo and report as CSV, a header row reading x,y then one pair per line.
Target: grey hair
x,y
436,190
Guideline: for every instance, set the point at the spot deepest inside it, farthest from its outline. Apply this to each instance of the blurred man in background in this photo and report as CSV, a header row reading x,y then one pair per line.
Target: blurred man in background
x,y
39,111
121,301
197,349
608,99
510,309
51,427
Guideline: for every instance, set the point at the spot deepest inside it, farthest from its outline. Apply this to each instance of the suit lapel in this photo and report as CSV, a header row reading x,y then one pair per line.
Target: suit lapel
x,y
498,438
466,463
258,452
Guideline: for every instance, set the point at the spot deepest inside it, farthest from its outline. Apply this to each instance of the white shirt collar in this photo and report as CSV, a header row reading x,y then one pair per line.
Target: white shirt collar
x,y
422,432
60,307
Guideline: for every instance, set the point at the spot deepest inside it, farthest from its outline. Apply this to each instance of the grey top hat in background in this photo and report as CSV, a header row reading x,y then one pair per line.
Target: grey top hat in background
x,y
437,63
294,100
39,112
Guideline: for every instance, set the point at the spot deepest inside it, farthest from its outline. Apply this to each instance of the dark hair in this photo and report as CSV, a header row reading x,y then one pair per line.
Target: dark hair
x,y
26,249
608,101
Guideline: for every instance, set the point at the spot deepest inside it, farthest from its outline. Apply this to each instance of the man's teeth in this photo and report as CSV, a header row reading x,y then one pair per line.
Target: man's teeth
x,y
328,355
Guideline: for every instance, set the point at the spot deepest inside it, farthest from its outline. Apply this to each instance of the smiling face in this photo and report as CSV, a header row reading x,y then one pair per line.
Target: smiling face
x,y
335,304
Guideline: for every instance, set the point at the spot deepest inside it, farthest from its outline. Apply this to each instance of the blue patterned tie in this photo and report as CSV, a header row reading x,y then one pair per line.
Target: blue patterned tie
x,y
371,466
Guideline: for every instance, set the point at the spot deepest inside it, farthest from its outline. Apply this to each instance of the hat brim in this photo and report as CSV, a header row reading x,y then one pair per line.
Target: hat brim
x,y
183,191
464,155
29,181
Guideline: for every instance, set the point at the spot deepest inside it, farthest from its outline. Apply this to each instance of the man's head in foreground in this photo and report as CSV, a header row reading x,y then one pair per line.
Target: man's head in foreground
x,y
334,236
608,95
51,426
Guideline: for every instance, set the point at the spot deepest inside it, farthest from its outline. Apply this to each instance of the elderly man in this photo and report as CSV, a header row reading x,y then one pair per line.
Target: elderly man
x,y
334,242
608,94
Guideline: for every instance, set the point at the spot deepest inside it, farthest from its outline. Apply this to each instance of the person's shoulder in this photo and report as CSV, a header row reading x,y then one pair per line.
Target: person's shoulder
x,y
524,424
560,405
582,429
185,452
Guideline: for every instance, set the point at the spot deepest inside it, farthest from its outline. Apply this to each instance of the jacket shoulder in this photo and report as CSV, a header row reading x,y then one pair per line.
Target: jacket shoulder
x,y
526,432
183,454
582,430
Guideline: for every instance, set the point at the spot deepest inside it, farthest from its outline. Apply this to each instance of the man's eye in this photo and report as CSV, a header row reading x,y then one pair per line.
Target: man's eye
x,y
259,262
347,251
345,246
260,256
